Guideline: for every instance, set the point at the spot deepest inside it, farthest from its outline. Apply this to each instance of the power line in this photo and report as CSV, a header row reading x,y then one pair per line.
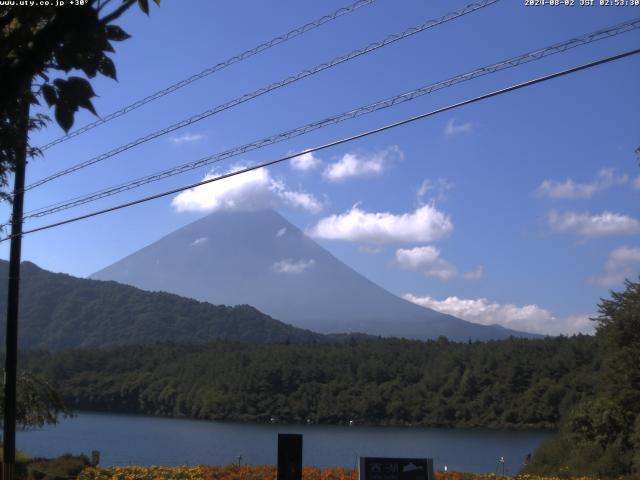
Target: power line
x,y
527,57
338,142
363,110
213,69
273,86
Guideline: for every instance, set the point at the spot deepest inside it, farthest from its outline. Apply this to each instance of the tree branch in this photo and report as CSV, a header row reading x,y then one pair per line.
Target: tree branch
x,y
102,4
117,12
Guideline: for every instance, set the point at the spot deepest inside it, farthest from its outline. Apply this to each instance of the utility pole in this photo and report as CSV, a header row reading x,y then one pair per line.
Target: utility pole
x,y
11,360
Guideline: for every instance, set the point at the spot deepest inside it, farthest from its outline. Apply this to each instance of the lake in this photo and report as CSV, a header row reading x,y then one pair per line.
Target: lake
x,y
140,440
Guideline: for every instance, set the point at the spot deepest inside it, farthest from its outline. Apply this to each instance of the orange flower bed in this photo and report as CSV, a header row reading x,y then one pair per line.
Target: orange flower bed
x,y
227,472
268,472
258,472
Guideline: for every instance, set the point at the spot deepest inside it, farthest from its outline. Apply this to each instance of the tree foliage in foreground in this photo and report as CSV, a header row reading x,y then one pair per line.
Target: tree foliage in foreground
x,y
601,436
37,403
40,46
514,383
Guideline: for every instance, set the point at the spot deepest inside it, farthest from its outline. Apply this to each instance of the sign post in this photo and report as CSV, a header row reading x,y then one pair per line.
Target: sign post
x,y
289,456
379,468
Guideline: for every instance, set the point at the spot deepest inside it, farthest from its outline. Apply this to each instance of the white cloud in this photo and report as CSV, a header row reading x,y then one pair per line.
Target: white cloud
x,y
579,324
623,263
281,232
476,274
424,189
588,225
425,224
529,318
357,165
290,266
305,162
253,190
199,241
567,189
426,260
186,138
452,129
437,189
301,200
570,189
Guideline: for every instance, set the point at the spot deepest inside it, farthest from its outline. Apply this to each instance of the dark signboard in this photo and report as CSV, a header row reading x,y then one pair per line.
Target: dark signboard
x,y
289,456
378,468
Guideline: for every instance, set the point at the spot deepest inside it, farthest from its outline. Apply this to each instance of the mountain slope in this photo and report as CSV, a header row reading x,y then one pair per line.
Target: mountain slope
x,y
259,258
59,311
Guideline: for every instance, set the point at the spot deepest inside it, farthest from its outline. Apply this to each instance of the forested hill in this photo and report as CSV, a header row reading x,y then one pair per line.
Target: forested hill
x,y
59,311
513,383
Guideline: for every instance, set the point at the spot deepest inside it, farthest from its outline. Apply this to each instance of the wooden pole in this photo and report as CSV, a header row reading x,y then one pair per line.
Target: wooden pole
x,y
11,360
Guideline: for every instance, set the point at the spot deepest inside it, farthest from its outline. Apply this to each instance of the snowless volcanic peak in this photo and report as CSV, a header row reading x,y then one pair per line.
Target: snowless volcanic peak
x,y
259,258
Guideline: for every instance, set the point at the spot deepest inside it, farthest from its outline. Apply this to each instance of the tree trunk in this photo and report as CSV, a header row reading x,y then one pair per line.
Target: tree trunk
x,y
11,360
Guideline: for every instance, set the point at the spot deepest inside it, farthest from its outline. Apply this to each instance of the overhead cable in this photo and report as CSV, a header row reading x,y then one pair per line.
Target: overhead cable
x,y
269,88
336,142
363,110
211,70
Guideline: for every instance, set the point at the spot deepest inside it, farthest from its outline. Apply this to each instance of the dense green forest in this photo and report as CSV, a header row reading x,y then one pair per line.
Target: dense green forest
x,y
516,383
600,436
166,355
60,311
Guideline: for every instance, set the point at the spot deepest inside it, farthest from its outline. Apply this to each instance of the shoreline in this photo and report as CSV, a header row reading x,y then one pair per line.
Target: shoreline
x,y
284,423
132,439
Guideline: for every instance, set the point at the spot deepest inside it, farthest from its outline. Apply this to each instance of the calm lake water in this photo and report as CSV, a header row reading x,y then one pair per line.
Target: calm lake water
x,y
139,440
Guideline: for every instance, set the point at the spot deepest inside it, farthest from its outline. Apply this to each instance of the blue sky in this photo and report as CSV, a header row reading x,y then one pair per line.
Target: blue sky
x,y
522,210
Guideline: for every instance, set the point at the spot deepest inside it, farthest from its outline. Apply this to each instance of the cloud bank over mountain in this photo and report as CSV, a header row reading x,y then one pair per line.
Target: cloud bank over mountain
x,y
259,258
250,191
528,317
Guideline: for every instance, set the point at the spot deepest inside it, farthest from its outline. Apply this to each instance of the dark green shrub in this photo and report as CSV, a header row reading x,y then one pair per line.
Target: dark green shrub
x,y
60,468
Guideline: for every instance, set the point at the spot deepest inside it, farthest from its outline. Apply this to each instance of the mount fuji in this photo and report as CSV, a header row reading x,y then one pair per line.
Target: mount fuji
x,y
261,259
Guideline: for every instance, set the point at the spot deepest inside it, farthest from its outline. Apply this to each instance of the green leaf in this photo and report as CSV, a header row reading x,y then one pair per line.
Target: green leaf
x,y
38,121
144,6
81,86
106,46
80,93
101,43
73,93
157,2
116,34
89,106
64,116
65,58
50,95
107,68
88,63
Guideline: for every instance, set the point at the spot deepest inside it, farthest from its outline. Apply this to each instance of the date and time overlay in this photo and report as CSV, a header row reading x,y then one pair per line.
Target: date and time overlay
x,y
526,3
581,3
